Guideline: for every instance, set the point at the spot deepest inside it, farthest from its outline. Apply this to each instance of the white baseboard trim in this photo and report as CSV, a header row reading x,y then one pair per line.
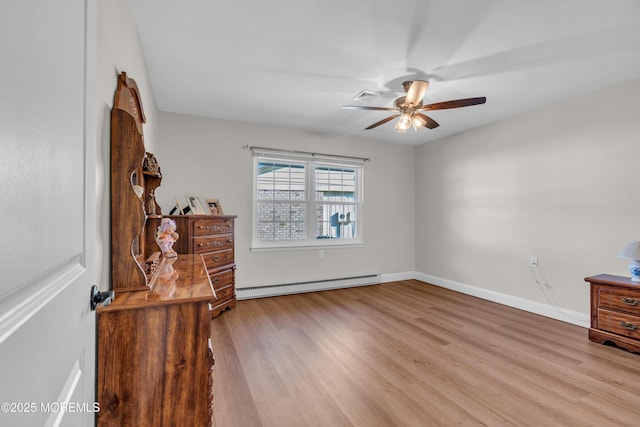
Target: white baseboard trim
x,y
397,277
568,316
277,289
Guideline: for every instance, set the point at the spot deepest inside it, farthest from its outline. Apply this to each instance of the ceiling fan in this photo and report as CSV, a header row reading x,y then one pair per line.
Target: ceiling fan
x,y
410,108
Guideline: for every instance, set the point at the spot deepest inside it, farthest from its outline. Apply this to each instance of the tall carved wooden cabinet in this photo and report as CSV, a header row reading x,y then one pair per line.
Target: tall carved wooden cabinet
x,y
155,360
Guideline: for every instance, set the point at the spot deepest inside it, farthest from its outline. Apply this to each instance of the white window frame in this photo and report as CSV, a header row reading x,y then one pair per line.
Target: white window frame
x,y
310,162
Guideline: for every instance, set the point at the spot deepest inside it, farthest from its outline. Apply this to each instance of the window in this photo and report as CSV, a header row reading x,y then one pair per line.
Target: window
x,y
306,201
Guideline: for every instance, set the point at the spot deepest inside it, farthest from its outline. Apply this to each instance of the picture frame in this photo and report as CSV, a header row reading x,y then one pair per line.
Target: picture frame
x,y
179,210
214,207
194,203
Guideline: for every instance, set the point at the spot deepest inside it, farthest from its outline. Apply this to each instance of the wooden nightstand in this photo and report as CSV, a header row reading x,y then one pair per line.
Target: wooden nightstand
x,y
615,311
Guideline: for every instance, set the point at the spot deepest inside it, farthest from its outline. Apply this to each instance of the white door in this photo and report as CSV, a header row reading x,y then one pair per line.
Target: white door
x,y
47,210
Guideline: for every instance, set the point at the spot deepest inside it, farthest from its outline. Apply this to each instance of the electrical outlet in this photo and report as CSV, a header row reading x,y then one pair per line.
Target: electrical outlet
x,y
533,261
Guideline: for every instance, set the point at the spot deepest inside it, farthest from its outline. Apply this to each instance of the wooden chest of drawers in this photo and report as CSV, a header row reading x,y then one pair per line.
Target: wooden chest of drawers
x,y
615,311
213,238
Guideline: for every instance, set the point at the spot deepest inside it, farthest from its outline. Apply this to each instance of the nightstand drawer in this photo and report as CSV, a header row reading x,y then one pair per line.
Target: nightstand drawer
x,y
620,299
207,226
619,323
209,244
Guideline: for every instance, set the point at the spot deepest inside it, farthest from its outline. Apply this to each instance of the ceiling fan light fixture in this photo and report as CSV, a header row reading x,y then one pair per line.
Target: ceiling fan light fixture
x,y
418,122
404,122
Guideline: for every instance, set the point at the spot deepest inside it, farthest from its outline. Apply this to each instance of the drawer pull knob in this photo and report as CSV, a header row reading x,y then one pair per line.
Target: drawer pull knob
x,y
216,258
201,227
629,326
200,244
215,280
630,301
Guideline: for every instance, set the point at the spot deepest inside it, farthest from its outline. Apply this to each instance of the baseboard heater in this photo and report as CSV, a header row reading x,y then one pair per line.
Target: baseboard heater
x,y
271,290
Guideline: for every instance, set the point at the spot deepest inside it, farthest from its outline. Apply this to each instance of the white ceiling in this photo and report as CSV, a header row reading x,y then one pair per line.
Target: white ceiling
x,y
294,63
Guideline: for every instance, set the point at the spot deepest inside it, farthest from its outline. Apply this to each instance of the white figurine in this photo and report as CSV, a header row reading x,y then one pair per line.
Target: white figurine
x,y
166,236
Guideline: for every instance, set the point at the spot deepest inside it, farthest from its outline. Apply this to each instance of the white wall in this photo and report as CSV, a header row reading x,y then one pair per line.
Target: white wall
x,y
119,50
205,157
557,183
560,183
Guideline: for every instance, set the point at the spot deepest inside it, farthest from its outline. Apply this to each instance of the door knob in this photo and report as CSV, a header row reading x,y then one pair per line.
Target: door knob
x,y
100,297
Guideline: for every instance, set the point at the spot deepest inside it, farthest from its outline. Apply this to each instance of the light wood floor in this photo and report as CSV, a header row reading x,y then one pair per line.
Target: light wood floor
x,y
411,354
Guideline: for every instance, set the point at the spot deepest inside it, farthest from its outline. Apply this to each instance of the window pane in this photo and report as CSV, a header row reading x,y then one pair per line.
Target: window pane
x,y
335,184
281,221
266,212
336,221
279,181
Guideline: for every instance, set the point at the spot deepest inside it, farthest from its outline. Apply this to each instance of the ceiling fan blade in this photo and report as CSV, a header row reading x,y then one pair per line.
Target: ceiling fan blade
x,y
467,102
363,107
381,122
416,92
431,124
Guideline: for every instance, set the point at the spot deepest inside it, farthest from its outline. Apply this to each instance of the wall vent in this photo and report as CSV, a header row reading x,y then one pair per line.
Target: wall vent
x,y
270,290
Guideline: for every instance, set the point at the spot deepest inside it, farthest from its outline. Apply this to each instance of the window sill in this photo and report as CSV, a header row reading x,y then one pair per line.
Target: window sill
x,y
305,246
